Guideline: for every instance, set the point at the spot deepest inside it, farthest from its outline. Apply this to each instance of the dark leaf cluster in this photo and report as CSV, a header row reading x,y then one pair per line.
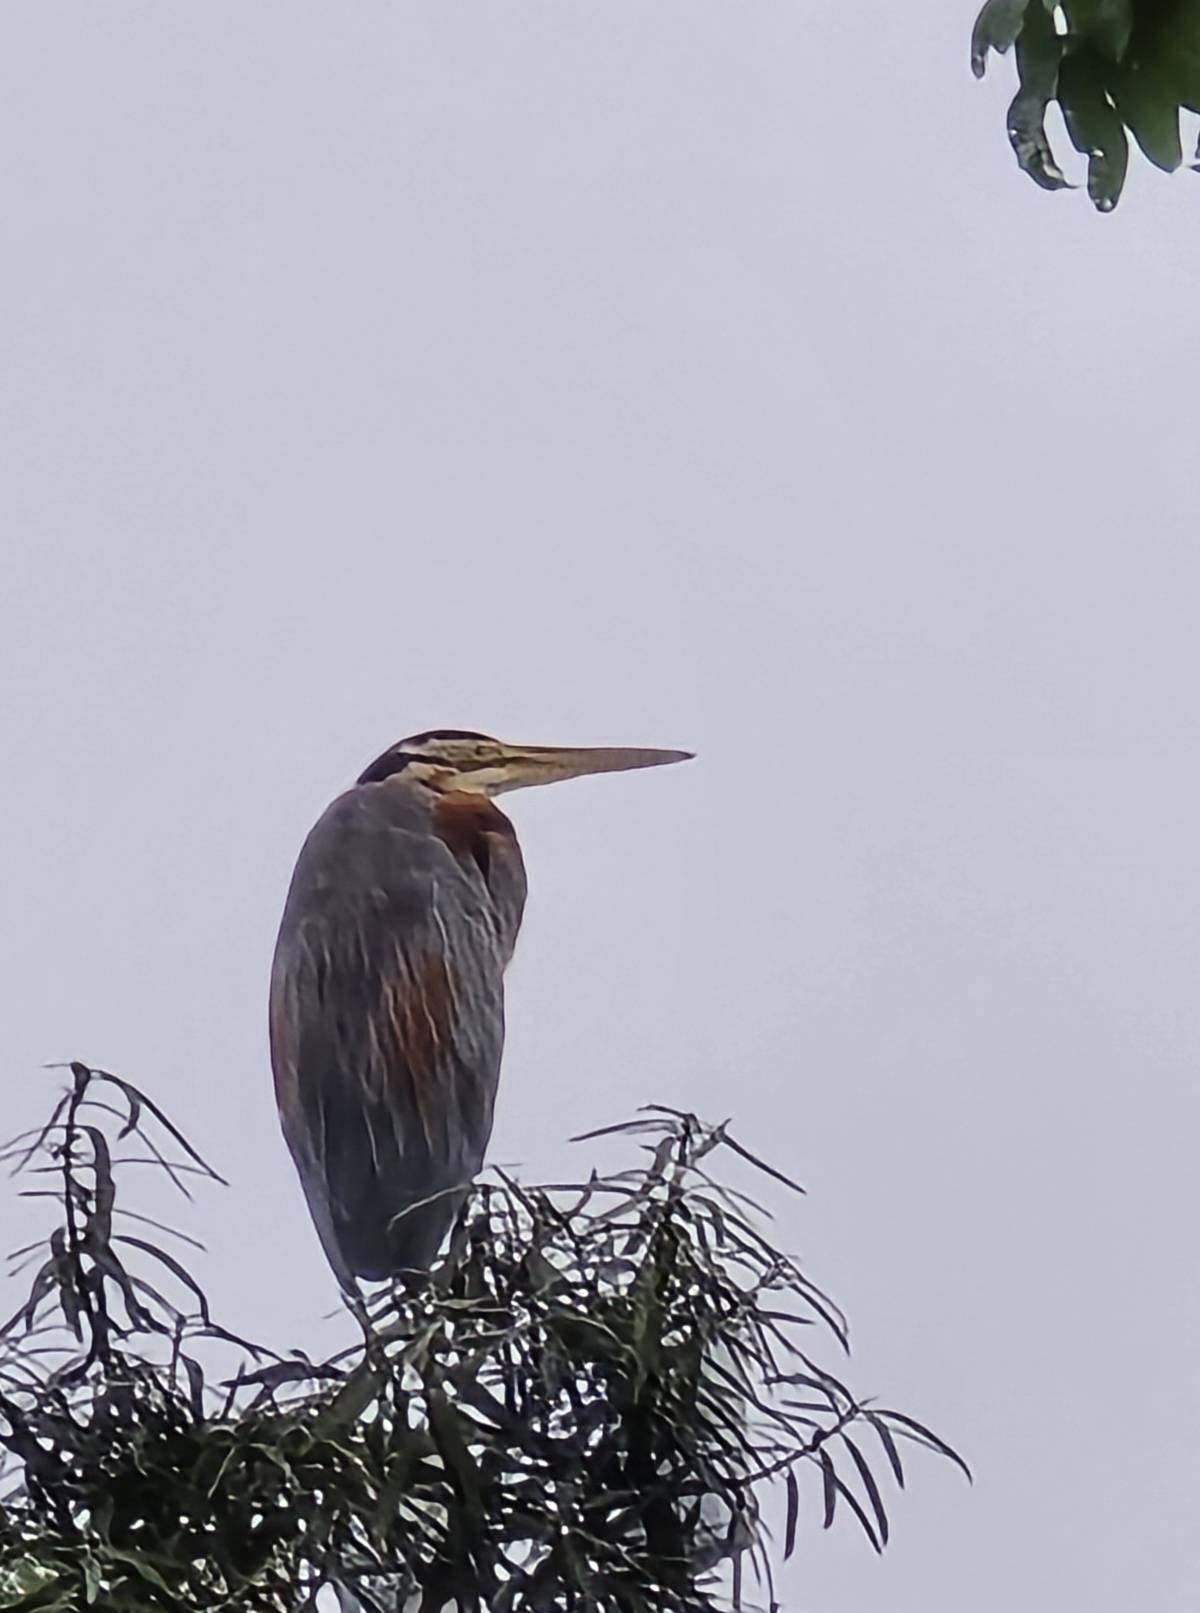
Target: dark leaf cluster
x,y
585,1406
1116,69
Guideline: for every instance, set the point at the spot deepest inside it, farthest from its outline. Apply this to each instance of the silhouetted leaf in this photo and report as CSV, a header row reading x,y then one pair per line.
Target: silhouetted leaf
x,y
586,1391
889,1446
793,1512
172,1265
830,1487
927,1437
870,1486
142,1101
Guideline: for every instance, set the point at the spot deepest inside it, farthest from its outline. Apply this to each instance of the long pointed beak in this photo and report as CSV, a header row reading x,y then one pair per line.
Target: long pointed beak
x,y
546,764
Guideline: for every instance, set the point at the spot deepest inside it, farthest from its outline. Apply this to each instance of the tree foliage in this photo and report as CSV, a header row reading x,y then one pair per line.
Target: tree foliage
x,y
584,1407
1115,68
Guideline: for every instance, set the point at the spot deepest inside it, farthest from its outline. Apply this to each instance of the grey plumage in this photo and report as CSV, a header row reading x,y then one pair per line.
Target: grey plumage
x,y
387,1016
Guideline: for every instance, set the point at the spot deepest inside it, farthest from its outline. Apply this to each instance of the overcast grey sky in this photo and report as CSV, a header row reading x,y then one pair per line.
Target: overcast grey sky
x,y
665,373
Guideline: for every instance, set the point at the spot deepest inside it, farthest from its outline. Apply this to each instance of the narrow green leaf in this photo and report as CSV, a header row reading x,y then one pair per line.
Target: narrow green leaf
x,y
141,1565
446,1426
57,1596
889,1447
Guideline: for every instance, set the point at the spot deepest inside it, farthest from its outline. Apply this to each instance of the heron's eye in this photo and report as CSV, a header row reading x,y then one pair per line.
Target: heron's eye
x,y
480,756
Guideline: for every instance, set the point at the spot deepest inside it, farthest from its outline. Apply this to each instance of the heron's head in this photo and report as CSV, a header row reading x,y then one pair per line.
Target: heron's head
x,y
450,759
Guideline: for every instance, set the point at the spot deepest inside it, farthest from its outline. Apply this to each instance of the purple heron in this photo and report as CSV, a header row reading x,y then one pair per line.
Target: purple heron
x,y
387,993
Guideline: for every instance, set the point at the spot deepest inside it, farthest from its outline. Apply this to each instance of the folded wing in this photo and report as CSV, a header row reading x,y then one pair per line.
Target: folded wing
x,y
387,1017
